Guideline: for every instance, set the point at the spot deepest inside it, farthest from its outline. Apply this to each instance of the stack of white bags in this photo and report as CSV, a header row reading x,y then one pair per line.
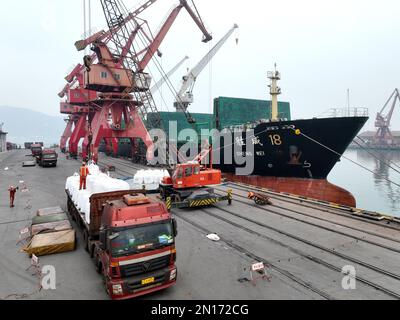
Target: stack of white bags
x,y
149,179
96,182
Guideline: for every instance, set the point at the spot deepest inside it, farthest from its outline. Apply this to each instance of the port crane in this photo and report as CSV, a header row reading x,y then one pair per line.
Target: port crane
x,y
119,77
185,95
80,121
383,135
76,126
122,34
158,85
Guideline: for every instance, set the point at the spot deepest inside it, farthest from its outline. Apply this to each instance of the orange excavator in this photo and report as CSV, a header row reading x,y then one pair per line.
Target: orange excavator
x,y
191,184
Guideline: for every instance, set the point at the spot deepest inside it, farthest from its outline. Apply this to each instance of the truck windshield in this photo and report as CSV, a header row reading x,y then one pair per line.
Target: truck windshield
x,y
49,156
142,238
36,149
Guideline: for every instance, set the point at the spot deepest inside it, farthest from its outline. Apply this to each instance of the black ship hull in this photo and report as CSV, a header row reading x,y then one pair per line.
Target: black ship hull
x,y
277,150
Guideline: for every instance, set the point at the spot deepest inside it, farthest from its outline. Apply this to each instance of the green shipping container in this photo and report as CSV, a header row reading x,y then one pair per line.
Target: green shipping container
x,y
227,112
236,111
203,121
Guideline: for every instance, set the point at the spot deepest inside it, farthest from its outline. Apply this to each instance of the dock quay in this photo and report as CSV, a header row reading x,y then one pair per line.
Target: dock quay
x,y
307,246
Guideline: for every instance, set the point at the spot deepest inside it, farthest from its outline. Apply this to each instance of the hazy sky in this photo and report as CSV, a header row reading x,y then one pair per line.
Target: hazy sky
x,y
322,48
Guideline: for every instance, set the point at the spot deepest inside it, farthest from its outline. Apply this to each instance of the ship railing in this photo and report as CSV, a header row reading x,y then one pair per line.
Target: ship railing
x,y
346,112
252,125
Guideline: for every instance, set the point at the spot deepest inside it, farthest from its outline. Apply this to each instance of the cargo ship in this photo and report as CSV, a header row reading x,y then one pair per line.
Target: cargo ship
x,y
294,156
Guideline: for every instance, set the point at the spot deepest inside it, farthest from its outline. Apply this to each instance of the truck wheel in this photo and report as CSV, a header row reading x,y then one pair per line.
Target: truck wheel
x,y
99,266
86,240
91,251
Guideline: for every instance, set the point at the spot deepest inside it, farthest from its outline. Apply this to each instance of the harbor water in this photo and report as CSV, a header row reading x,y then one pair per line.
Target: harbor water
x,y
373,191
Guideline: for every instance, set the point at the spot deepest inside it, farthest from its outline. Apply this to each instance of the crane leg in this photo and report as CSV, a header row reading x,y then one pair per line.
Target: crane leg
x,y
134,127
66,135
78,133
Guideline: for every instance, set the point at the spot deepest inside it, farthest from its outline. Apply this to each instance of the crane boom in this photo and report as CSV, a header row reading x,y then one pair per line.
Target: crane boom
x,y
197,19
390,114
185,97
153,47
164,78
120,39
102,35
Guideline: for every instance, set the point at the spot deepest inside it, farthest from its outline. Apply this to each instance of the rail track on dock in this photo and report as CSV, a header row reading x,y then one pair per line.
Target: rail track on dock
x,y
307,204
293,249
254,256
270,209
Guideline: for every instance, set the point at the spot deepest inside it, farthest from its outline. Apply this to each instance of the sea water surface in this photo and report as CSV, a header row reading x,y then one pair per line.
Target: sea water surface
x,y
376,190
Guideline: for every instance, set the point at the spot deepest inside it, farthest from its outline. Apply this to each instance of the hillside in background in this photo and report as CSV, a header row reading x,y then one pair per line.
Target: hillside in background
x,y
24,125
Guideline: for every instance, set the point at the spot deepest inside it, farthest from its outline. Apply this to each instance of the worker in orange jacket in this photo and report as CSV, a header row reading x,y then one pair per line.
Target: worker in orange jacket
x,y
83,172
12,191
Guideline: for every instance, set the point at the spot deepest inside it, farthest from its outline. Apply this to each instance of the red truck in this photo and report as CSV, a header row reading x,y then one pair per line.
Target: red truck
x,y
131,239
47,158
36,149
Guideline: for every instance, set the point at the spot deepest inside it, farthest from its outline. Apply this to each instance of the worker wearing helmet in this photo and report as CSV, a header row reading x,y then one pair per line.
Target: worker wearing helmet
x,y
83,172
12,191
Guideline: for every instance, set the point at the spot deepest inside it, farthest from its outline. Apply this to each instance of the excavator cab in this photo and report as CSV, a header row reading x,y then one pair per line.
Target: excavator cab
x,y
186,176
191,186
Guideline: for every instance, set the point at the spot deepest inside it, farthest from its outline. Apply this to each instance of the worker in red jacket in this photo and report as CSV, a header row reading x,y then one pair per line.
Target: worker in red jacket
x,y
83,172
12,191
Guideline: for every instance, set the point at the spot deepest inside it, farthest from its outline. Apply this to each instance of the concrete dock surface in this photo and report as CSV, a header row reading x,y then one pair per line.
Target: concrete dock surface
x,y
305,246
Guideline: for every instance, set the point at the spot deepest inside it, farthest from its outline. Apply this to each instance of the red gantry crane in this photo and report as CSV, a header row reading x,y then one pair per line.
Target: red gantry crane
x,y
383,136
119,77
77,104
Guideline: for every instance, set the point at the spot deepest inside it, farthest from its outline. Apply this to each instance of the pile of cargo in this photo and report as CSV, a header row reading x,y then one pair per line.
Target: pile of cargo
x,y
96,182
51,232
147,179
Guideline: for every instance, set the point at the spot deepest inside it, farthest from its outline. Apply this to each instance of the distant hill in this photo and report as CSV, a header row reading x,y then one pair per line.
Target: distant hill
x,y
24,125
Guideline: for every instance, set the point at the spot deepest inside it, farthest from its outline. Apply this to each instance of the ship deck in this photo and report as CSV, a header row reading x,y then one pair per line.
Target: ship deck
x,y
304,244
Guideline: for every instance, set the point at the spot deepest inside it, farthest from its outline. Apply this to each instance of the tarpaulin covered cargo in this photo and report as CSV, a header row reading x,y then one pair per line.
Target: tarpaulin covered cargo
x,y
237,111
49,211
51,227
51,243
50,218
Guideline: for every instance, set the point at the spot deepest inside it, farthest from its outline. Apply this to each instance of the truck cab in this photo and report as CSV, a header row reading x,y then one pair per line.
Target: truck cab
x,y
47,158
36,150
136,248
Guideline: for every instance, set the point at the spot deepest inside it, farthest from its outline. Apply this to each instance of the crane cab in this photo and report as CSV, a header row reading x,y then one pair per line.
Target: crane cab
x,y
193,175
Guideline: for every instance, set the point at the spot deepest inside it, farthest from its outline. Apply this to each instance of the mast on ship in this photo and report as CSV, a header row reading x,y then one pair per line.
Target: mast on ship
x,y
274,76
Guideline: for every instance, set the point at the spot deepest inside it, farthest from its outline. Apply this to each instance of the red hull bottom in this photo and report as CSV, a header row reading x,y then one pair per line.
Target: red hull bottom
x,y
310,188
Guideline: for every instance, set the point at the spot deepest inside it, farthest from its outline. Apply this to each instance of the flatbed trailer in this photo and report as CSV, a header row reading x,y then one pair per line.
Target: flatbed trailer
x,y
192,197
